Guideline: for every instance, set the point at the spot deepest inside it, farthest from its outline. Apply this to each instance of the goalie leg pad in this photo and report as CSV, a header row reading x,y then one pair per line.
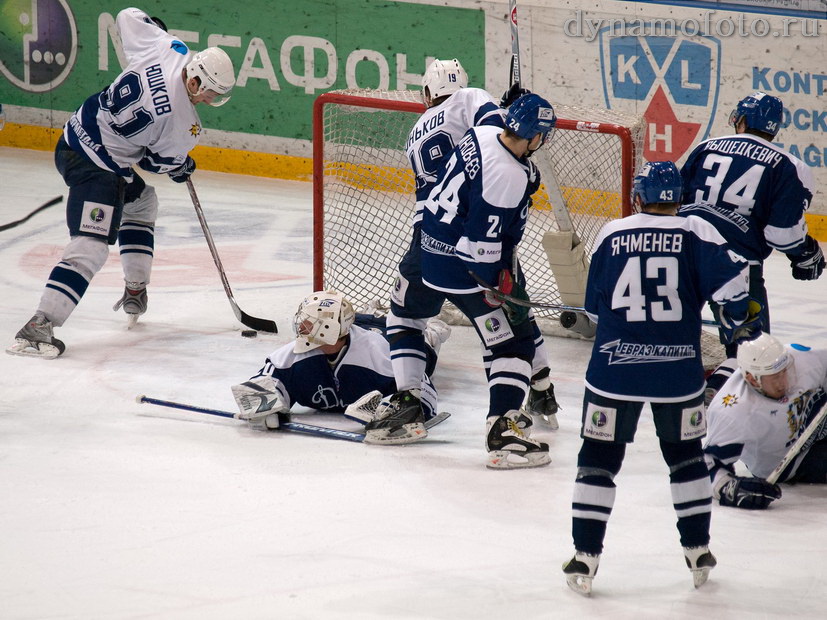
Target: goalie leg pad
x,y
567,259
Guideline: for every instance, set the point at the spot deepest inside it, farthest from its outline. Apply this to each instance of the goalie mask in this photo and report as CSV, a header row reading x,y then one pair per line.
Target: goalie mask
x,y
322,318
443,78
768,366
214,70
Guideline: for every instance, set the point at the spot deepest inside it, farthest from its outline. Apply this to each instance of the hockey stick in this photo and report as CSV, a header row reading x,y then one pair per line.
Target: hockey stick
x,y
500,296
798,445
514,73
45,205
262,325
296,427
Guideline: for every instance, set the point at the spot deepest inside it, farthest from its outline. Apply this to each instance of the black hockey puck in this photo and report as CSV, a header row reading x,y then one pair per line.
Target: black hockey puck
x,y
249,333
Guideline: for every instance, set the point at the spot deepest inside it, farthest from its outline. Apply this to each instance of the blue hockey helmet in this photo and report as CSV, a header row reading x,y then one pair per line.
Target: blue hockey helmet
x,y
530,115
658,181
762,112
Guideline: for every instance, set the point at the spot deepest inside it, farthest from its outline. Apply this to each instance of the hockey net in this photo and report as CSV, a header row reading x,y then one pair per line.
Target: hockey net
x,y
364,190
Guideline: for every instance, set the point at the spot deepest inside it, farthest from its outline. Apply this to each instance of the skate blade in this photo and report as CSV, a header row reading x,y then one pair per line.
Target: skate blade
x,y
550,420
580,584
699,576
131,320
24,348
506,459
407,433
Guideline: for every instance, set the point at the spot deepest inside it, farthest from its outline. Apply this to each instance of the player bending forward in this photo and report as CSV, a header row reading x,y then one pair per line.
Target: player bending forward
x,y
649,277
332,364
768,402
146,117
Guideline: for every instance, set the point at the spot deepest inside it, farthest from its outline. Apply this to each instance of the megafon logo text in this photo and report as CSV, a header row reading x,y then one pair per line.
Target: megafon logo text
x,y
674,79
38,43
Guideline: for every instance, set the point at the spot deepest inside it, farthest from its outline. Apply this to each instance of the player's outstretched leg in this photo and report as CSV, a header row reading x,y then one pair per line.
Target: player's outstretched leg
x,y
399,420
700,561
541,400
36,339
133,301
509,447
580,571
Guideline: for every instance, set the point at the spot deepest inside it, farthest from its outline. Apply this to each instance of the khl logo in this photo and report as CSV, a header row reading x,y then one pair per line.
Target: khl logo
x,y
39,43
675,81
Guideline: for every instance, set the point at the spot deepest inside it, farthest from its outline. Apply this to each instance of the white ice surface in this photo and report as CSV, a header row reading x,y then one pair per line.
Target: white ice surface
x,y
111,509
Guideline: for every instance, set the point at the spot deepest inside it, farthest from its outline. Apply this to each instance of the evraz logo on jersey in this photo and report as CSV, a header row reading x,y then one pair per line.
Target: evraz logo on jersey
x,y
674,79
642,353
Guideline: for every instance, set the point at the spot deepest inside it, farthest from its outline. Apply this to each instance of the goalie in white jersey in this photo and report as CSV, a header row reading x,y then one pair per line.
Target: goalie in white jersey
x,y
760,412
146,117
339,363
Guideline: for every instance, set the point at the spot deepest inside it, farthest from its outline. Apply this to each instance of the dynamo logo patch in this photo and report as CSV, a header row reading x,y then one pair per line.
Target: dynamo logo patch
x,y
674,79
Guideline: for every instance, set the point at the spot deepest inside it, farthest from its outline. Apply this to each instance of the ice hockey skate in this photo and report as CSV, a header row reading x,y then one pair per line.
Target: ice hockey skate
x,y
399,420
543,404
133,302
509,446
700,561
36,339
580,572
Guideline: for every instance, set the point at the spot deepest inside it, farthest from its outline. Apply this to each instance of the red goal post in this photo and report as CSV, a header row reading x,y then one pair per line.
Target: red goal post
x,y
363,189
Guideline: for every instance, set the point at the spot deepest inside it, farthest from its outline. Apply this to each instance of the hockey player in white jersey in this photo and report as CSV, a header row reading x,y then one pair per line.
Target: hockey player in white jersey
x,y
649,276
472,220
337,358
452,108
759,413
146,117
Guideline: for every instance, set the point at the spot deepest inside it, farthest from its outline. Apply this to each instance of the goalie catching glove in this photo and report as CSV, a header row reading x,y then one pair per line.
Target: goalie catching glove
x,y
259,403
749,493
507,285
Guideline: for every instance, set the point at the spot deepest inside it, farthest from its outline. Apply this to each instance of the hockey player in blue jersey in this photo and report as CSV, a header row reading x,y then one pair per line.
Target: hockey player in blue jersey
x,y
337,359
649,277
472,220
762,410
756,195
146,117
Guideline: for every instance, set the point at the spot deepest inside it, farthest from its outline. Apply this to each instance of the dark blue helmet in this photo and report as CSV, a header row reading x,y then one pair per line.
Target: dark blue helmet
x,y
658,181
762,112
530,115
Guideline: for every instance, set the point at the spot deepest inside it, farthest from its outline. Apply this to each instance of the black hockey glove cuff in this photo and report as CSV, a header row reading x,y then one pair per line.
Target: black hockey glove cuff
x,y
808,265
183,172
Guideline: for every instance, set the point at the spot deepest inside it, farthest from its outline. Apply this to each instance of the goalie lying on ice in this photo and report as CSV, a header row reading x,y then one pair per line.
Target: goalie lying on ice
x,y
336,363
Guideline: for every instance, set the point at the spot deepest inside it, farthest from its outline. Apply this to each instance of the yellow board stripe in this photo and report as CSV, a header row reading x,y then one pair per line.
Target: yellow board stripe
x,y
301,169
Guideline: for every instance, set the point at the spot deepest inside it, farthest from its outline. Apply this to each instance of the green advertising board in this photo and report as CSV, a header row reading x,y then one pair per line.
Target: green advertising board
x,y
55,53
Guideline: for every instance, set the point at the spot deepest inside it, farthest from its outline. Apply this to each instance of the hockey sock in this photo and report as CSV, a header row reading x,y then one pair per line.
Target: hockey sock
x,y
691,490
508,380
594,493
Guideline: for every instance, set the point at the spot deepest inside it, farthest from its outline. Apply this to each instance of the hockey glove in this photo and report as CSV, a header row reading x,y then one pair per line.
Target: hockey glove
x,y
810,263
183,172
507,285
512,94
749,493
742,330
259,403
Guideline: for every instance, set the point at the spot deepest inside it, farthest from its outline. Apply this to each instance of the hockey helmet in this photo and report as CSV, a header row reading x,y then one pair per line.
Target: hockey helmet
x,y
658,181
214,70
760,111
770,365
322,318
531,115
444,77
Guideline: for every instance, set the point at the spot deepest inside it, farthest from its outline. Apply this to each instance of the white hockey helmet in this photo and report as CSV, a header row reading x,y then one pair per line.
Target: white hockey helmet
x,y
214,70
322,318
442,78
765,358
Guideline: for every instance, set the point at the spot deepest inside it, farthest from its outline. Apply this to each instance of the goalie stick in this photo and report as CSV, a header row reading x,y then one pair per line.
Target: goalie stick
x,y
262,325
296,427
45,205
798,445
